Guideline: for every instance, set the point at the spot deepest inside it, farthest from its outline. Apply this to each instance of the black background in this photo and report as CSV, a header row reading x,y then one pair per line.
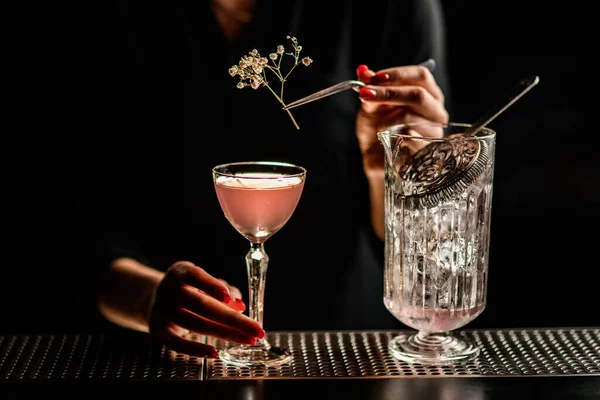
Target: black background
x,y
547,182
543,260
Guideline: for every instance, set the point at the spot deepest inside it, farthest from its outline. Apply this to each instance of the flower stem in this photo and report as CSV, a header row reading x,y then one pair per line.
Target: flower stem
x,y
292,117
290,71
280,100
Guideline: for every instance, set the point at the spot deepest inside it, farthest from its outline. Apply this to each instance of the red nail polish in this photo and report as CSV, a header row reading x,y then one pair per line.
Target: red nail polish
x,y
361,69
226,298
367,94
240,304
214,354
252,341
380,77
261,334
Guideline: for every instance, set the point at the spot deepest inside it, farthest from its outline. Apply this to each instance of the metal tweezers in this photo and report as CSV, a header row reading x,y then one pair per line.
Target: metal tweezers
x,y
340,87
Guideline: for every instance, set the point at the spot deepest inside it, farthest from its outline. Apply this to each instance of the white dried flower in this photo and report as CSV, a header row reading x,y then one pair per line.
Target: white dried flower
x,y
251,69
294,40
257,68
255,83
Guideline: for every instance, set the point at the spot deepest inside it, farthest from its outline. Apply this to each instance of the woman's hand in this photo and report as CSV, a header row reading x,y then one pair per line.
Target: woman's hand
x,y
190,299
392,96
396,95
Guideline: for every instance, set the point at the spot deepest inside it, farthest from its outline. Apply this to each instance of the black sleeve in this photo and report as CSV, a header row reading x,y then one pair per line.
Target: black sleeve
x,y
412,32
430,35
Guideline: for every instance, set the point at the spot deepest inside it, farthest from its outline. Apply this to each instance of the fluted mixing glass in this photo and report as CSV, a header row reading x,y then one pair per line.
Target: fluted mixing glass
x,y
438,202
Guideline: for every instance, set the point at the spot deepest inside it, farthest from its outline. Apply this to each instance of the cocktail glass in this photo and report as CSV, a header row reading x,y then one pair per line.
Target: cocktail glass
x,y
257,198
438,200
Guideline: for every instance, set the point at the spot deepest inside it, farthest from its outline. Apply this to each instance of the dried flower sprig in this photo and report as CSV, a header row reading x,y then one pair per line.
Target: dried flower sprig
x,y
252,70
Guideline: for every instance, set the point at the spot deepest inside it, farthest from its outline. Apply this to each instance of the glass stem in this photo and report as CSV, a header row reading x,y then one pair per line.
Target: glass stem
x,y
257,262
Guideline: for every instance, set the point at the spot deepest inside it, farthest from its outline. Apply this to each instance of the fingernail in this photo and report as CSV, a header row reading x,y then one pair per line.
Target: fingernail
x,y
214,354
240,304
380,77
261,334
361,69
225,297
252,341
367,94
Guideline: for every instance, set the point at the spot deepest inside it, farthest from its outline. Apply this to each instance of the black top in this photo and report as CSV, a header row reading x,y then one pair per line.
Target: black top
x,y
136,106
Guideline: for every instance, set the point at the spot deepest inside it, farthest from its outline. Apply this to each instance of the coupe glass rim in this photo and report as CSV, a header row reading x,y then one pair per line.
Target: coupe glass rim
x,y
391,131
217,169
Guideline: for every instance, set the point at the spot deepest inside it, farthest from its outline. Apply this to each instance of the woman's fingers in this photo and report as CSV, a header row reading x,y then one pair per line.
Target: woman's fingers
x,y
190,274
179,344
417,98
412,87
233,291
411,75
364,73
236,302
184,272
414,75
237,305
208,307
190,298
204,326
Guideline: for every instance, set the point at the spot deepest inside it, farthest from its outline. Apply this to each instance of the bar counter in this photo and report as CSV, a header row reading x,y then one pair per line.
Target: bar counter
x,y
543,363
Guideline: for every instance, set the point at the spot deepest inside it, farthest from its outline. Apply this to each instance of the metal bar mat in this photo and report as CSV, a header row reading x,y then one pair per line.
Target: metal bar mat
x,y
92,357
365,355
354,355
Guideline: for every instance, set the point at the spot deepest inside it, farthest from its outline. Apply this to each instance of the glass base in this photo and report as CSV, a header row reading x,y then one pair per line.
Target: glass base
x,y
255,356
433,349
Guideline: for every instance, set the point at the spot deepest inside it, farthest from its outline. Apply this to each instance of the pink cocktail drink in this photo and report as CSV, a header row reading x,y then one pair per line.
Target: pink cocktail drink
x,y
435,321
257,198
258,205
